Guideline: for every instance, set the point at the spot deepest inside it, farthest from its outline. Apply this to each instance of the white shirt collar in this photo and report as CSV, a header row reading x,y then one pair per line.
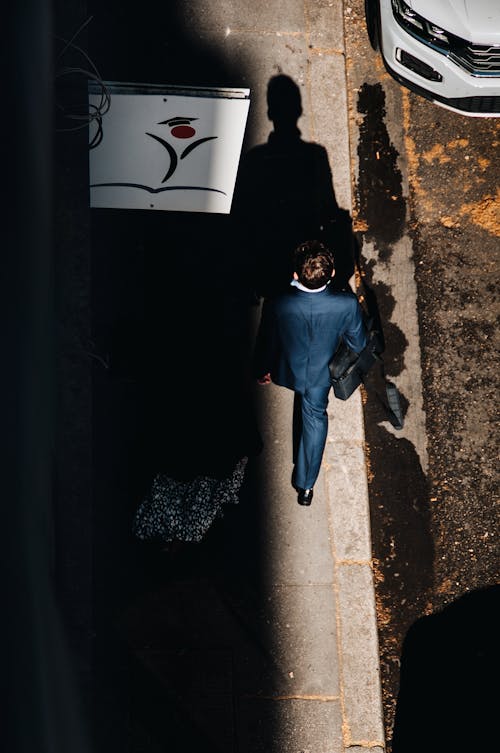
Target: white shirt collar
x,y
297,284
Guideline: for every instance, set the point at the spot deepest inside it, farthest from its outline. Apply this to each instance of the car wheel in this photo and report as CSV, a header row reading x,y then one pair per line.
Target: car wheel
x,y
372,22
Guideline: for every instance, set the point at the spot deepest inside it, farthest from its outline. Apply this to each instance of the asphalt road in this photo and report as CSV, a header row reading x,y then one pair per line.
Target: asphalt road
x,y
428,220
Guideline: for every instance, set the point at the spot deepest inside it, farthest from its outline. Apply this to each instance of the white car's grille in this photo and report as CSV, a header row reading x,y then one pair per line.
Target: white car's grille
x,y
480,60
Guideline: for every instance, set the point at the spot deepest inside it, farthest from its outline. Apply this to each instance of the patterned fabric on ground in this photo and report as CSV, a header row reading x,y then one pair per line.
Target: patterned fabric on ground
x,y
185,510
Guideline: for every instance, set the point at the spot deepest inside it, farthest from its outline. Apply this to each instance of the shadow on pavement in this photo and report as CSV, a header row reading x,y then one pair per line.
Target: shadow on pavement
x,y
284,196
180,645
449,667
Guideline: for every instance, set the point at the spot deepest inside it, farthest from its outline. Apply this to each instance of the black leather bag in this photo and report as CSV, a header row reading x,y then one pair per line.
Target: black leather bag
x,y
348,369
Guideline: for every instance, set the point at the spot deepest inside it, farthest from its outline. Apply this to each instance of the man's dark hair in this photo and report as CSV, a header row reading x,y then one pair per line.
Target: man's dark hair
x,y
313,264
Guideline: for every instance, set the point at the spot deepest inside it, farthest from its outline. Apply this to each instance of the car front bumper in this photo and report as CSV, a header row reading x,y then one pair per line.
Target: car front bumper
x,y
415,64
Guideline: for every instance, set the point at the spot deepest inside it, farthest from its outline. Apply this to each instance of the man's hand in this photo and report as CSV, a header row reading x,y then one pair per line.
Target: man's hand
x,y
266,379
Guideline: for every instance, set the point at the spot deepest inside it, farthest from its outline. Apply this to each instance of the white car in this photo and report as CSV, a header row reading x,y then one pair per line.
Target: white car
x,y
445,50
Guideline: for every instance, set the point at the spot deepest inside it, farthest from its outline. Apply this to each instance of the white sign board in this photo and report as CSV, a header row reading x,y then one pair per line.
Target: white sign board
x,y
166,148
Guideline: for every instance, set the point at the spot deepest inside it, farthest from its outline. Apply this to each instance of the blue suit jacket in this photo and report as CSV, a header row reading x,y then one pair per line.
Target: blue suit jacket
x,y
299,333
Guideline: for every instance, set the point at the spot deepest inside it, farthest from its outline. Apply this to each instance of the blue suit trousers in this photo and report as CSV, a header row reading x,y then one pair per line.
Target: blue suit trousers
x,y
311,427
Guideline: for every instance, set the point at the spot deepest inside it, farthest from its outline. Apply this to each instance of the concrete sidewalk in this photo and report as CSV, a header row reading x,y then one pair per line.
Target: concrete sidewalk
x,y
316,565
319,587
265,641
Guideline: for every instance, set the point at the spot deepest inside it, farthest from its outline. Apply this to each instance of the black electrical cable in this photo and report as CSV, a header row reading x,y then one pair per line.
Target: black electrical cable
x,y
93,112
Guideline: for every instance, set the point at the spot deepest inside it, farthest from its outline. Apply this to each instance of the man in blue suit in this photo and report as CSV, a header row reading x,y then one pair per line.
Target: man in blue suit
x,y
298,335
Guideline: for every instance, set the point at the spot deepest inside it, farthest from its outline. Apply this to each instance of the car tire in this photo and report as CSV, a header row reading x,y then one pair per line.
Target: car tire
x,y
372,22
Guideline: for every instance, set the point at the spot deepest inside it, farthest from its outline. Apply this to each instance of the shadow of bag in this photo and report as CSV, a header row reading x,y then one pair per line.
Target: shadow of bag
x,y
349,369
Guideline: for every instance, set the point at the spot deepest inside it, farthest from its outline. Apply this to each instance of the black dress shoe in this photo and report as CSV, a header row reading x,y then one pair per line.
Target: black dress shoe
x,y
305,496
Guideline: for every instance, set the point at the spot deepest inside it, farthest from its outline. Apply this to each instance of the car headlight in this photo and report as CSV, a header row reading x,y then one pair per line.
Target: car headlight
x,y
419,27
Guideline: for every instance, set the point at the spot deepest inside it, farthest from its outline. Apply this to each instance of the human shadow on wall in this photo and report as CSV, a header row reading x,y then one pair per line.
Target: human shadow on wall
x,y
449,669
284,196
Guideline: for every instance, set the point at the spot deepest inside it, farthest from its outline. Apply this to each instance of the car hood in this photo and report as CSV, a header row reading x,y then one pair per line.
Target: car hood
x,y
477,21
